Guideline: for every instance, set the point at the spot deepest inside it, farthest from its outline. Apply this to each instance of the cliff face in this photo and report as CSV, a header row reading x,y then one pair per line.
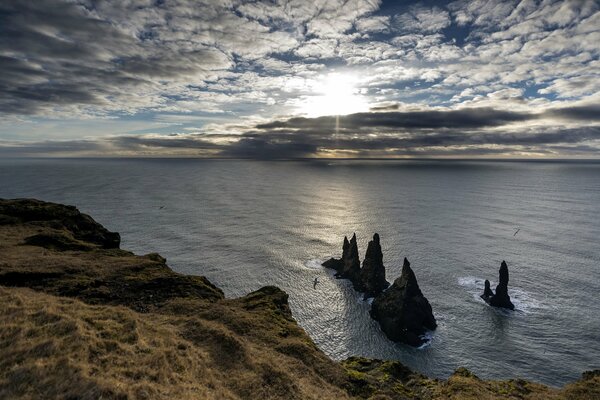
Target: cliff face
x,y
81,318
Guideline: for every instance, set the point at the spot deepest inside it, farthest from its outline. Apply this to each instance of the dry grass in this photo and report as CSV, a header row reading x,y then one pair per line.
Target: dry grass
x,y
59,348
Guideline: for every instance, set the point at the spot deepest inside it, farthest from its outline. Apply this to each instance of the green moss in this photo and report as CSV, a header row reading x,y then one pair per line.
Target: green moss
x,y
403,390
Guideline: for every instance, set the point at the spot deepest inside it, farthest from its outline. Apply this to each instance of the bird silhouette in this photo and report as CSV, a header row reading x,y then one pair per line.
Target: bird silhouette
x,y
517,231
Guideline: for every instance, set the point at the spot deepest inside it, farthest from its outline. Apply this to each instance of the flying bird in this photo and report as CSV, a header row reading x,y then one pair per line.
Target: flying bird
x,y
161,207
517,231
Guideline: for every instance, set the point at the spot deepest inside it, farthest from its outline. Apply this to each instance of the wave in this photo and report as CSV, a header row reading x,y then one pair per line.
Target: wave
x,y
314,264
428,337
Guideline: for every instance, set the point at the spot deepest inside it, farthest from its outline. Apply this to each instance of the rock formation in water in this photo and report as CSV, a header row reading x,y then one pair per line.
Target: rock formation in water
x,y
372,273
501,297
351,269
487,292
369,279
348,266
402,311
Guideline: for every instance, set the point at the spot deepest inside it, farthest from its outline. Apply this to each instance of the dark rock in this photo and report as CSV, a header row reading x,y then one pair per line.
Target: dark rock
x,y
338,263
487,292
348,266
501,298
402,311
334,263
372,274
351,269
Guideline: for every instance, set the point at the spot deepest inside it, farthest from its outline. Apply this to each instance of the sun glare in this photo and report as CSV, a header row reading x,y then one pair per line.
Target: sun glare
x,y
334,94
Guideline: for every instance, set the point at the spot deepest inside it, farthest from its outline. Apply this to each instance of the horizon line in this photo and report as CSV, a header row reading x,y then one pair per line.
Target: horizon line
x,y
436,159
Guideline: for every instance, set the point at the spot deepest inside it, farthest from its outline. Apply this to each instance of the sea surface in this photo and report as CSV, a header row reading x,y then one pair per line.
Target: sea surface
x,y
246,224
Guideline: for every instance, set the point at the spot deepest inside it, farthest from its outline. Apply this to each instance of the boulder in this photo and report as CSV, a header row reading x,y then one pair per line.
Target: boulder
x,y
402,311
372,274
501,298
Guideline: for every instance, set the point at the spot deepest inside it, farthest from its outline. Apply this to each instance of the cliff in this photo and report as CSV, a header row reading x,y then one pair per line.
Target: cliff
x,y
82,319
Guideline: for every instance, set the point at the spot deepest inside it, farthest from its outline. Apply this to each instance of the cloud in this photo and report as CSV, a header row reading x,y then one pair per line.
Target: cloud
x,y
467,118
423,19
426,133
435,76
270,148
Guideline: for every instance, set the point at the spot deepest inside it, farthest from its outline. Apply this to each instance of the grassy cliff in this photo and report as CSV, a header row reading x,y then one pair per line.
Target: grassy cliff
x,y
82,319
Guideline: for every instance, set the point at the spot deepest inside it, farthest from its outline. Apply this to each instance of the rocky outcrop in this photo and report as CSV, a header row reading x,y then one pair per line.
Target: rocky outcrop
x,y
500,298
351,268
372,273
347,267
369,279
402,311
487,291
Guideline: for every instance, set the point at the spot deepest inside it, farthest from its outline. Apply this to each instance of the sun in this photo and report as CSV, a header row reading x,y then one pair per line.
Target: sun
x,y
334,94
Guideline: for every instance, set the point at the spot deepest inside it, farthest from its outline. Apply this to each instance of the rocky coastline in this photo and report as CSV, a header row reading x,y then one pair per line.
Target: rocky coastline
x,y
81,318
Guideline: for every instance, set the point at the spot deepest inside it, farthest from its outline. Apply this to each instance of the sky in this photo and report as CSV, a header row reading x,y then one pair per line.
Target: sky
x,y
300,79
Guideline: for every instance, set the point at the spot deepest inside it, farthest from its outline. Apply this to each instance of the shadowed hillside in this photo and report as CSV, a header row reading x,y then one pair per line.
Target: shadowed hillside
x,y
82,319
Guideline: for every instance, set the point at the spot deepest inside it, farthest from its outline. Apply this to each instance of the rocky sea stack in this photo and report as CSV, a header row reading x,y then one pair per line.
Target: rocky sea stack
x,y
347,267
402,311
372,273
369,279
500,298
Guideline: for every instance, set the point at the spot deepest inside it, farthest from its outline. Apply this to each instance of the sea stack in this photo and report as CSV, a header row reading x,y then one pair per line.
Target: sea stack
x,y
351,268
372,274
349,265
501,297
402,311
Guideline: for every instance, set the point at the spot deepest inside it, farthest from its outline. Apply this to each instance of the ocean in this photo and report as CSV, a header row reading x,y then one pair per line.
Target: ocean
x,y
247,224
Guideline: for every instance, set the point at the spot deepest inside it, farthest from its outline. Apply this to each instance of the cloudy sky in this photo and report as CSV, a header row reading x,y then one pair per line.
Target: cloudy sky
x,y
295,78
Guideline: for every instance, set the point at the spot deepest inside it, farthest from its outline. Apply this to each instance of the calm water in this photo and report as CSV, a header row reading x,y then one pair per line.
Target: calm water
x,y
246,224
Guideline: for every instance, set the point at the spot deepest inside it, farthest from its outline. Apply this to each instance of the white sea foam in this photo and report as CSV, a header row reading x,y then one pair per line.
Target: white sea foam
x,y
314,264
428,337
